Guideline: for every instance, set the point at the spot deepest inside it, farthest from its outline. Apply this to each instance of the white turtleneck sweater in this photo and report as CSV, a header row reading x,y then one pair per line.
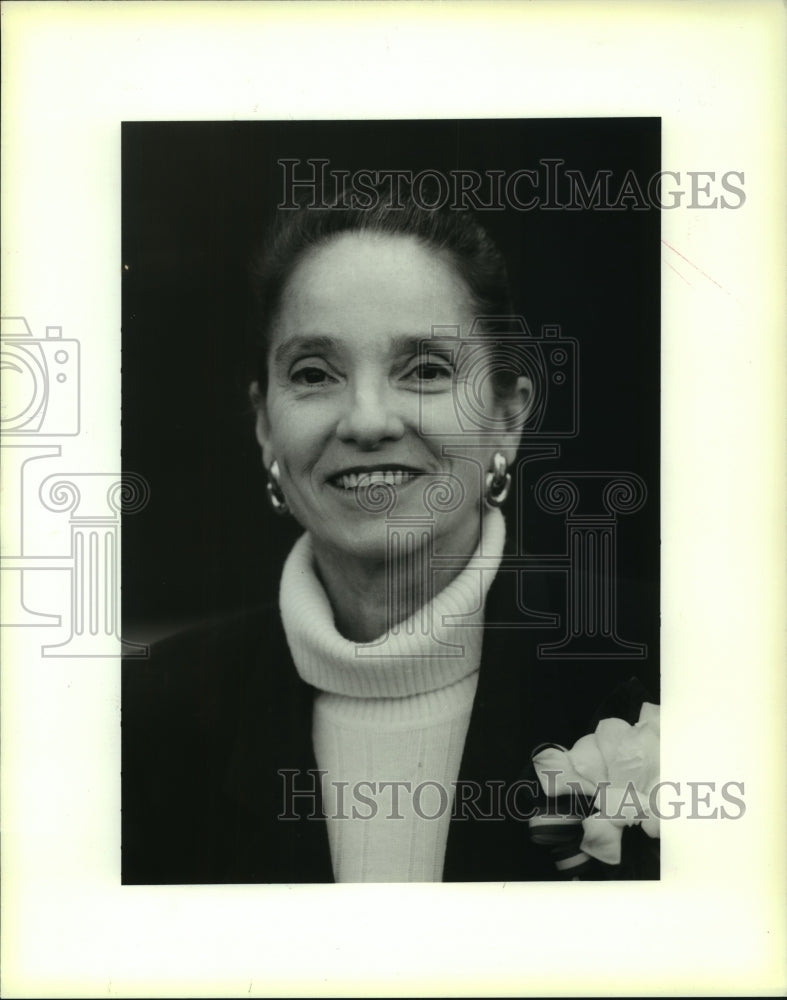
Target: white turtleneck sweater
x,y
394,710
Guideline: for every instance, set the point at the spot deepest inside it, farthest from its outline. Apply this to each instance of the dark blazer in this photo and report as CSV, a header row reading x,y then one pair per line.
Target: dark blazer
x,y
215,714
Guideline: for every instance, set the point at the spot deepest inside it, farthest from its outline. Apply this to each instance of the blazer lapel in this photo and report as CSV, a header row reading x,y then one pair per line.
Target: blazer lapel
x,y
488,836
278,832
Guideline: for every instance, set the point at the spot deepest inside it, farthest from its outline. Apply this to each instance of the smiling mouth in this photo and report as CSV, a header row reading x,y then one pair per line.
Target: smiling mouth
x,y
372,477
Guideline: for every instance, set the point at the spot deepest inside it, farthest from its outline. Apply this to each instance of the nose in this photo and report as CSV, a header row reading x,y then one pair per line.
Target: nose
x,y
371,416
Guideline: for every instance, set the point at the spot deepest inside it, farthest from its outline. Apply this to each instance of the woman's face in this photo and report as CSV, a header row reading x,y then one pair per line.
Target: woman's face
x,y
361,393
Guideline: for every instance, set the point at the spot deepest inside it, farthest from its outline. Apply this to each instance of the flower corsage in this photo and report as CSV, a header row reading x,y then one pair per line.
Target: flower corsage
x,y
596,791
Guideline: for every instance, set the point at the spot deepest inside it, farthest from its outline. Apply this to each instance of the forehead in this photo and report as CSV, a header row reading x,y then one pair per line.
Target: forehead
x,y
370,284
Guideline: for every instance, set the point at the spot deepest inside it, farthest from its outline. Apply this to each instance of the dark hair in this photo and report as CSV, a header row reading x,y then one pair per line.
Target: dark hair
x,y
457,234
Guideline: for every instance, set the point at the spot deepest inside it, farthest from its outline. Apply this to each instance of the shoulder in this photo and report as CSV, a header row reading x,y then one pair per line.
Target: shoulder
x,y
201,667
564,696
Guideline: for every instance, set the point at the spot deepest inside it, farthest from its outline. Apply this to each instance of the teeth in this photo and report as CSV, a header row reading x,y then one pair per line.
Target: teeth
x,y
388,477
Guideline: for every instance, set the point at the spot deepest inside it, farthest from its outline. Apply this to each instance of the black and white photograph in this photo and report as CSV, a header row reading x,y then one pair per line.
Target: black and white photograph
x,y
392,576
394,390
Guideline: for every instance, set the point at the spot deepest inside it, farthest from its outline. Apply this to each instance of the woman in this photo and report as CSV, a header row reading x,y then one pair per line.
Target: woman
x,y
378,724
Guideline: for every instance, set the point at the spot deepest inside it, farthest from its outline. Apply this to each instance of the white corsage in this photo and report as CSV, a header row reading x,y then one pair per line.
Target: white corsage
x,y
618,768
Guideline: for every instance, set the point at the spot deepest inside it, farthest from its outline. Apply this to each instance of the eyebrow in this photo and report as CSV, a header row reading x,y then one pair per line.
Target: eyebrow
x,y
316,344
322,343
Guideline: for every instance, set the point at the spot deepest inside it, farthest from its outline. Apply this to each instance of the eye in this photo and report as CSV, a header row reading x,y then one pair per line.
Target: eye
x,y
432,370
311,375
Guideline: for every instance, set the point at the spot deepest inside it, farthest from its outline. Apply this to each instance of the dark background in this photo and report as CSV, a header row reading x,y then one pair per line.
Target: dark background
x,y
196,200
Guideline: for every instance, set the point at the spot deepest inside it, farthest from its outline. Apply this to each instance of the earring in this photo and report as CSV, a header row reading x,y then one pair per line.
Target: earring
x,y
498,481
275,494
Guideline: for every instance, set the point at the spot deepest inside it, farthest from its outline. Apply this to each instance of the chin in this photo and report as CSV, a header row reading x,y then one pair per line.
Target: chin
x,y
368,538
371,538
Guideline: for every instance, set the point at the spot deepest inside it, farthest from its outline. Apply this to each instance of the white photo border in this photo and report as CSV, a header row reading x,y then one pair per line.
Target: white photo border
x,y
715,74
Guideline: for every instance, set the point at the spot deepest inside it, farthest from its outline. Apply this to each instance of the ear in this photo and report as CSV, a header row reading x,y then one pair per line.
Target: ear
x,y
261,425
516,408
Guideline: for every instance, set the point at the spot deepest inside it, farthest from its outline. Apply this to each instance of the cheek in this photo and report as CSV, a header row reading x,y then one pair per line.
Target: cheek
x,y
468,473
298,433
449,425
285,434
437,419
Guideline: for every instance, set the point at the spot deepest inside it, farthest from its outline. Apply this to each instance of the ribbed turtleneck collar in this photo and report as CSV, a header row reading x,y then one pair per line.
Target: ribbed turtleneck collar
x,y
412,658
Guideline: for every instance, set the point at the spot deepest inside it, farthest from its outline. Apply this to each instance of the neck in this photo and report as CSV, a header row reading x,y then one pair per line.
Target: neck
x,y
370,595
